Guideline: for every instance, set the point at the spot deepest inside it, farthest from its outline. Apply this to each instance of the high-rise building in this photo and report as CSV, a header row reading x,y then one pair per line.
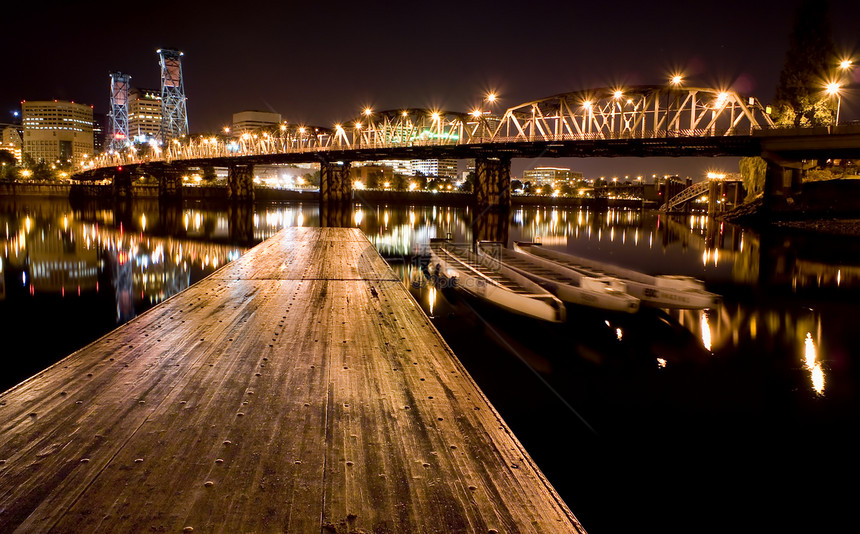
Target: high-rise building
x,y
99,124
57,131
435,167
10,140
144,114
552,176
251,120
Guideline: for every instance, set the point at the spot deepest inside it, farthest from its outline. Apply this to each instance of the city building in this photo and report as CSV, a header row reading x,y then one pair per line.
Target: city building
x,y
10,140
399,166
144,114
250,120
554,177
435,167
57,131
99,129
372,174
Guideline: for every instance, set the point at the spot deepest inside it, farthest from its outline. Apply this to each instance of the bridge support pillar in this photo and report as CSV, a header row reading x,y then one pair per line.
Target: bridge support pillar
x,y
493,183
713,196
782,180
240,183
170,183
121,183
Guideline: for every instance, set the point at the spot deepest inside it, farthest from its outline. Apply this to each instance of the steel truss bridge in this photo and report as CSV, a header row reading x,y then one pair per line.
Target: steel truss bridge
x,y
644,120
649,120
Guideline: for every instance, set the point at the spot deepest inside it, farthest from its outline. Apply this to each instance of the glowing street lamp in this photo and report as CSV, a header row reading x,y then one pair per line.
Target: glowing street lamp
x,y
676,80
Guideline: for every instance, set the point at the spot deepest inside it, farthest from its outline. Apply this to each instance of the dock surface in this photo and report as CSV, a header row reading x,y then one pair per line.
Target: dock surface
x,y
300,388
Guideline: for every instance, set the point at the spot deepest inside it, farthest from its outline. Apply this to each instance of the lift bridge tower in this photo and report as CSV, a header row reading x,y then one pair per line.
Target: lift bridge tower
x,y
118,117
174,118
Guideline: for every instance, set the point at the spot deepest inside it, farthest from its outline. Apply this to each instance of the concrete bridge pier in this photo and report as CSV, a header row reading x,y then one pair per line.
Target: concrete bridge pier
x,y
121,183
783,178
240,183
170,182
493,183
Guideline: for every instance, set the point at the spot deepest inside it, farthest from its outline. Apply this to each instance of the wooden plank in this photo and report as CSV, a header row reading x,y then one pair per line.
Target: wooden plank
x,y
298,389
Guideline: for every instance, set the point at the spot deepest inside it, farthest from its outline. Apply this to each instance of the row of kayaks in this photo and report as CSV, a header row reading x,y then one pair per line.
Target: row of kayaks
x,y
536,281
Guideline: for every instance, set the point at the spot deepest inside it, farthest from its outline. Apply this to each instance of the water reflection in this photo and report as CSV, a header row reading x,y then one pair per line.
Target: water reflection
x,y
145,252
778,350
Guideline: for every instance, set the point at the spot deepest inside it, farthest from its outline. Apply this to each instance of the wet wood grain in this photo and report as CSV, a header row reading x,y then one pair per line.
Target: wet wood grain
x,y
298,389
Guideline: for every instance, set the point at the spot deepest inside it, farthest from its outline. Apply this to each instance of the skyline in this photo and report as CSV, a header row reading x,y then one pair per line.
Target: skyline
x,y
323,64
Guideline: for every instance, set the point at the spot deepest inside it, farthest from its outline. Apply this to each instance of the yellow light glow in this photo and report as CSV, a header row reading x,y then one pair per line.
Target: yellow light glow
x,y
833,88
706,331
845,64
618,95
809,351
677,79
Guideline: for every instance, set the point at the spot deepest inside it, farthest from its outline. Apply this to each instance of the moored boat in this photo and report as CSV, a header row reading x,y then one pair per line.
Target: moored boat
x,y
493,283
571,286
661,291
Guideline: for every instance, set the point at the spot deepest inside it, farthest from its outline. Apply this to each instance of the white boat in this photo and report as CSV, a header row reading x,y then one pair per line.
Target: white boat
x,y
661,291
493,283
571,286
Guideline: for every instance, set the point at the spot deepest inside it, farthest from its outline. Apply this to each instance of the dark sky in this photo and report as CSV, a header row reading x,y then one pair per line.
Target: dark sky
x,y
321,62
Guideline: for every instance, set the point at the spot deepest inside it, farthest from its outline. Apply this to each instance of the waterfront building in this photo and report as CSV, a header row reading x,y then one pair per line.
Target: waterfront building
x,y
554,177
57,131
252,120
144,114
372,174
99,129
435,167
10,140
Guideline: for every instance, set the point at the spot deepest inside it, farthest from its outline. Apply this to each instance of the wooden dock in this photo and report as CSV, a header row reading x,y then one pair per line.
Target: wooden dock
x,y
298,389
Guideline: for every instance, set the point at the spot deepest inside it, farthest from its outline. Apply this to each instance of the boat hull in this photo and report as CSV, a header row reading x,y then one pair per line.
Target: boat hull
x,y
543,307
665,291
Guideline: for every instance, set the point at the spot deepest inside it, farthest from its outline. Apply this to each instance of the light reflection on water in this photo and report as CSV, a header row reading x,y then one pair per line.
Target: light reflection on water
x,y
757,356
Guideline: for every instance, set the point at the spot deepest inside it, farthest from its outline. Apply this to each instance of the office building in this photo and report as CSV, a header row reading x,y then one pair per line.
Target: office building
x,y
10,140
551,176
57,131
435,167
144,114
251,120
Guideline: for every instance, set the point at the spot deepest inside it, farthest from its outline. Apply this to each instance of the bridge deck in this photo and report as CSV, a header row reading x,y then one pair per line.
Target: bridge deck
x,y
298,389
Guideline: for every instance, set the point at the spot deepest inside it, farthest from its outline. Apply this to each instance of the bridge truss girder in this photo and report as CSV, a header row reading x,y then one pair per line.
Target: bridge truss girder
x,y
118,138
640,121
644,112
174,116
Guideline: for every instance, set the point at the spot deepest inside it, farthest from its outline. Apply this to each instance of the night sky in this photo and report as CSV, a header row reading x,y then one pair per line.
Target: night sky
x,y
321,62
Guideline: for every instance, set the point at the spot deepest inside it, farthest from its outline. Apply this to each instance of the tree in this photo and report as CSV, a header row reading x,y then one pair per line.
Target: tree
x,y
800,99
753,171
209,175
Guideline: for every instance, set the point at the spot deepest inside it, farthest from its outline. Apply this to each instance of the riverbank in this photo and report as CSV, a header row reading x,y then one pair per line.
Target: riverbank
x,y
218,193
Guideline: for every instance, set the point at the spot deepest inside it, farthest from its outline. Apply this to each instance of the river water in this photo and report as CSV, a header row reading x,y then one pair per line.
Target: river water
x,y
740,418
